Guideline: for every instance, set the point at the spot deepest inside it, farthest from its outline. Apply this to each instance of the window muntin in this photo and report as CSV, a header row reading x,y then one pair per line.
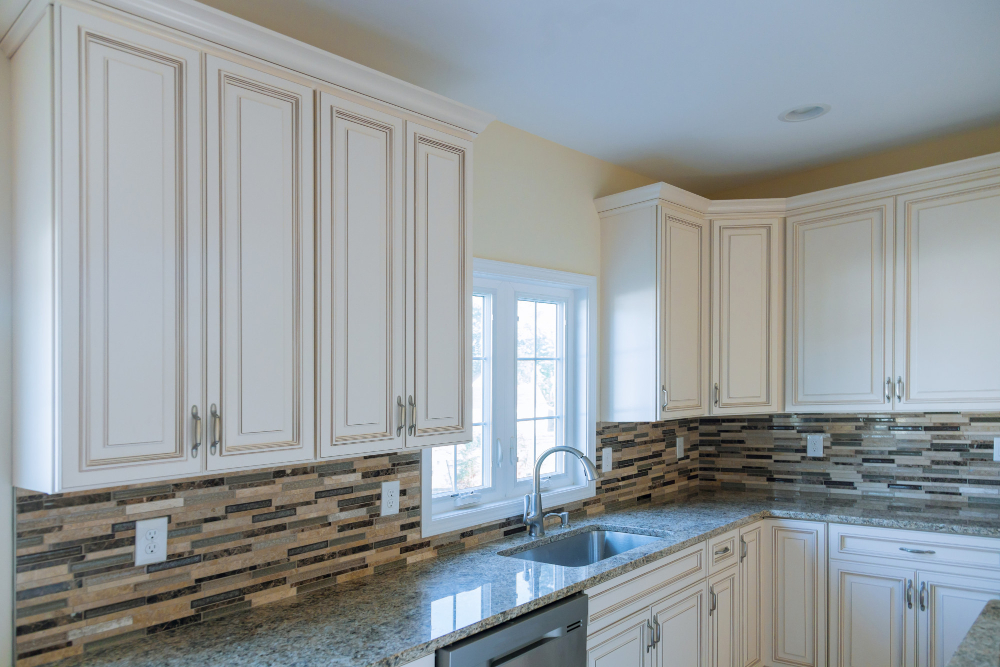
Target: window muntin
x,y
540,384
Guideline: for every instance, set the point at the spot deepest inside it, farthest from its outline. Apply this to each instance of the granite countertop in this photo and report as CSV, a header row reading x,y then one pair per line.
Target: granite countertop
x,y
981,647
393,618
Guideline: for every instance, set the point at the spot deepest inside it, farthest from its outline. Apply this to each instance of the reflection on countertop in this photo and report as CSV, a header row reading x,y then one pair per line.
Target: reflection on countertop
x,y
391,619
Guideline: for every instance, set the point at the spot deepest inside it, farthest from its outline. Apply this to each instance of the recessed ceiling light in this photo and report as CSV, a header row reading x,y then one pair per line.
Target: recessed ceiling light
x,y
807,112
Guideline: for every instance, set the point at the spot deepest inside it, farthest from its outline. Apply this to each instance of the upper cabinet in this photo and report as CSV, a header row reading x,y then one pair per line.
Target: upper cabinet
x,y
747,315
892,302
839,351
655,309
209,276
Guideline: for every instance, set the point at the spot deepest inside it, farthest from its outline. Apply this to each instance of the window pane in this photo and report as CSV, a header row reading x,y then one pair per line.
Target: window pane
x,y
477,391
547,330
469,470
443,469
525,449
525,389
478,306
545,389
545,437
525,328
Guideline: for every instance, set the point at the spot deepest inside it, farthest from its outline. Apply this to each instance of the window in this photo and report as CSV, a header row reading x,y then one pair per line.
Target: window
x,y
533,388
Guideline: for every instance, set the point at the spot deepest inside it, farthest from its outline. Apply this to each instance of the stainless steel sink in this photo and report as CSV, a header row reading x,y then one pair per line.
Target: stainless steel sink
x,y
584,548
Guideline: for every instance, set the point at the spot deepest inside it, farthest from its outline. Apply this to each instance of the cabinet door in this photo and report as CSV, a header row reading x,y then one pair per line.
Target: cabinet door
x,y
747,316
839,329
260,249
439,302
724,619
624,644
948,287
751,595
684,316
681,622
131,247
948,606
872,617
360,308
798,593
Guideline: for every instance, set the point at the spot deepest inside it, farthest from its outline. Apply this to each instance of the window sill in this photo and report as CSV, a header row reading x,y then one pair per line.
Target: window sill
x,y
475,516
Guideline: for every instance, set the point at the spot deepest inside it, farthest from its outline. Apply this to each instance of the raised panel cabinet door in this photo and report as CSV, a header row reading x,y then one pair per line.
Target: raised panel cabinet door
x,y
840,308
947,605
360,304
872,615
439,303
724,618
681,625
131,239
260,249
684,317
751,596
948,298
747,316
798,595
624,644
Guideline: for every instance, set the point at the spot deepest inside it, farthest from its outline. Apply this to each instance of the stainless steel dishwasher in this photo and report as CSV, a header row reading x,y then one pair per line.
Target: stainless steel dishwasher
x,y
553,636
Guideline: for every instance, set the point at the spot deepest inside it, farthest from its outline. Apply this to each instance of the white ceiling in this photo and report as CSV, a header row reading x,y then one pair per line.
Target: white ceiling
x,y
687,91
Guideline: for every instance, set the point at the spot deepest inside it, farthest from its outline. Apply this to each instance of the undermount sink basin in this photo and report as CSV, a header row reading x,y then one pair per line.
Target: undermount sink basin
x,y
584,548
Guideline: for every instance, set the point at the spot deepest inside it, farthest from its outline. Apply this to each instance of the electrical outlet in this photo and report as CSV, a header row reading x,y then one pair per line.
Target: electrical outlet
x,y
607,461
151,541
996,449
814,444
680,448
390,498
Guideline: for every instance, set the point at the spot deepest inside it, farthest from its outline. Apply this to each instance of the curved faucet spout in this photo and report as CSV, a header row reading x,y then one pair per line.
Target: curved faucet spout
x,y
534,515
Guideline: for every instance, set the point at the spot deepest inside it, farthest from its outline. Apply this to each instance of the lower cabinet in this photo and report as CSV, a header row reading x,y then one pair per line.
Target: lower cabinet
x,y
796,553
679,625
624,644
724,618
947,606
751,596
872,616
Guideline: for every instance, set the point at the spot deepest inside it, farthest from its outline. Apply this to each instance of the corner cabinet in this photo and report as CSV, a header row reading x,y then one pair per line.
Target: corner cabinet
x,y
655,312
223,264
874,290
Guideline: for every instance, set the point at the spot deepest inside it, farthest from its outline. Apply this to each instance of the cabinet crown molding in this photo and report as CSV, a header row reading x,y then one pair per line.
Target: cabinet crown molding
x,y
207,23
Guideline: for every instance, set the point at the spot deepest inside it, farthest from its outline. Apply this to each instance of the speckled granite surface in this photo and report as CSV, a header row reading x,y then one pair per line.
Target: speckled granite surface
x,y
981,647
393,618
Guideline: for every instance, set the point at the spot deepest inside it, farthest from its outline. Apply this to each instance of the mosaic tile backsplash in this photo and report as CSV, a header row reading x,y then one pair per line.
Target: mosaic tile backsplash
x,y
247,539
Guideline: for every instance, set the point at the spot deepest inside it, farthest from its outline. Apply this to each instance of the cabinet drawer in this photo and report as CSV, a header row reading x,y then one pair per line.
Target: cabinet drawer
x,y
723,551
613,600
923,550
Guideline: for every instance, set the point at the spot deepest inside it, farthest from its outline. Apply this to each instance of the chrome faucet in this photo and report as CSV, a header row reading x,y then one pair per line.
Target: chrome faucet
x,y
534,515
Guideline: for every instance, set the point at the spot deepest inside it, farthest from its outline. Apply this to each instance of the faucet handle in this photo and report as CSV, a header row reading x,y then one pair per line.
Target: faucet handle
x,y
563,518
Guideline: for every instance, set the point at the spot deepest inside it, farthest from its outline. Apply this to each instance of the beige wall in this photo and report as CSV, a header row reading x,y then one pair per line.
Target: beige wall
x,y
534,200
929,153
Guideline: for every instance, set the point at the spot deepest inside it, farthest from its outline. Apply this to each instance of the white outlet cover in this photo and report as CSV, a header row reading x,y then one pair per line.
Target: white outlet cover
x,y
680,447
151,540
814,444
996,449
390,498
607,459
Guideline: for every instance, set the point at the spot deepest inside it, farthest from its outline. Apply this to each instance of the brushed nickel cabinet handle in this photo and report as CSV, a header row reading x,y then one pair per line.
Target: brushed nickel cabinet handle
x,y
712,606
649,640
402,416
216,429
909,593
197,431
743,548
899,388
888,389
666,396
916,551
723,551
716,394
923,596
412,429
656,627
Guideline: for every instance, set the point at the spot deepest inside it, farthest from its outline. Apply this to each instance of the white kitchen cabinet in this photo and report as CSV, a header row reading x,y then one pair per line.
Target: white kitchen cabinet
x,y
947,291
797,574
260,266
439,288
681,624
872,615
747,315
724,618
752,595
839,308
361,312
623,644
655,311
949,604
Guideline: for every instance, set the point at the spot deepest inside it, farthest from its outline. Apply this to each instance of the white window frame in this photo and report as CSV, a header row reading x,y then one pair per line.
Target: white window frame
x,y
579,294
